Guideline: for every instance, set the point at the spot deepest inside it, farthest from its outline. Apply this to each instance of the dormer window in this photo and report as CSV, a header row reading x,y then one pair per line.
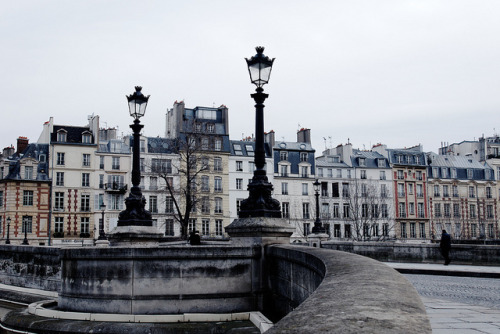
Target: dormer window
x,y
210,128
417,160
87,138
61,136
362,162
400,158
283,155
303,157
381,163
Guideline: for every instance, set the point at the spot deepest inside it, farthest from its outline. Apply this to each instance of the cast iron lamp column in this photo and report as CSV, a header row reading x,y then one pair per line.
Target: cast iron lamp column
x,y
25,225
318,227
7,242
102,235
135,214
259,203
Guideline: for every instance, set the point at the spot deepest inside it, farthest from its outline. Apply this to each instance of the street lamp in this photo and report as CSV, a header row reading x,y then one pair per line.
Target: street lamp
x,y
7,242
318,228
135,214
259,202
25,225
102,236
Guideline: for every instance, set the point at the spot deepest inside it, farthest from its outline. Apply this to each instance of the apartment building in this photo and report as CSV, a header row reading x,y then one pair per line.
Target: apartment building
x,y
462,197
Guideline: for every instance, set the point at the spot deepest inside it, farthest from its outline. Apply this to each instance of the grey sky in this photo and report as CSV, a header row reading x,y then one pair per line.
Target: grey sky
x,y
396,72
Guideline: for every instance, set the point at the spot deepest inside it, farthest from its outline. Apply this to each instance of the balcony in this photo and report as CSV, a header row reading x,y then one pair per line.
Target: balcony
x,y
115,187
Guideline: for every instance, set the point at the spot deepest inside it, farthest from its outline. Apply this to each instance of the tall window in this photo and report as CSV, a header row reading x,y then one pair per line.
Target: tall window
x,y
218,164
285,209
85,179
411,208
437,209
305,189
456,210
363,174
489,211
436,191
217,184
383,190
59,201
403,230
218,227
60,159
85,225
61,136
345,190
455,191
205,204
382,175
472,211
421,212
191,224
400,175
153,204
447,210
169,205
283,170
1,199
420,190
115,164
284,188
218,205
336,210
59,225
86,160
205,227
305,210
446,191
303,157
413,232
283,155
218,144
472,192
85,203
402,210
101,162
307,228
346,210
488,192
205,183
28,172
169,227
239,166
239,184
27,197
86,138
304,171
27,224
384,210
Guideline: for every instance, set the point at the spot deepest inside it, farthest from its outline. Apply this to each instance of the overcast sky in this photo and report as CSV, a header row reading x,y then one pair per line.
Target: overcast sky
x,y
394,72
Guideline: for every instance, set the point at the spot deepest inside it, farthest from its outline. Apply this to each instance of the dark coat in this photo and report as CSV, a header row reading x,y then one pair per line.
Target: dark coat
x,y
445,243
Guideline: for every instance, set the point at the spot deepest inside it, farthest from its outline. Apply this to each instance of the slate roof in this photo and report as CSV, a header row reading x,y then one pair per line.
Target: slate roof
x,y
32,151
73,134
244,151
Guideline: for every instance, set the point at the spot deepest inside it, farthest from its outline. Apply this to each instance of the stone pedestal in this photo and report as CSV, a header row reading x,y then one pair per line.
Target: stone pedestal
x,y
134,236
315,239
260,231
102,243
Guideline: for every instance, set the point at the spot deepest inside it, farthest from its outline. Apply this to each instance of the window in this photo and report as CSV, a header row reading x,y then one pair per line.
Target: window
x,y
204,144
115,202
400,175
435,172
237,149
218,164
304,171
381,163
285,209
437,209
59,201
413,232
364,210
61,136
307,229
491,231
455,191
153,204
420,190
169,227
161,166
192,225
453,173
59,179
218,184
218,227
444,173
250,150
283,155
346,211
472,192
469,174
205,227
59,225
320,172
385,230
345,190
336,210
101,162
411,208
85,225
410,188
1,199
488,192
27,197
330,172
473,230
283,170
422,230
347,231
472,211
362,162
363,174
153,183
218,144
305,210
489,211
335,190
205,204
447,210
384,210
251,166
383,190
303,157
401,189
86,160
239,166
85,203
238,205
339,173
210,128
239,184
218,205
382,175
421,212
446,192
205,183
436,191
456,210
85,179
27,226
305,189
403,230
325,210
364,190
86,138
28,172
60,159
115,164
169,205
284,188
402,210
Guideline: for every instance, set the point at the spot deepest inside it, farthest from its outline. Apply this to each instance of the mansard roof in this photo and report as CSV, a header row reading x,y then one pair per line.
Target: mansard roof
x,y
247,148
73,134
32,151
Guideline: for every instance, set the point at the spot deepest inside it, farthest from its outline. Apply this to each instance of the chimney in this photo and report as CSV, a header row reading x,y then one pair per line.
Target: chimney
x,y
269,138
304,136
22,143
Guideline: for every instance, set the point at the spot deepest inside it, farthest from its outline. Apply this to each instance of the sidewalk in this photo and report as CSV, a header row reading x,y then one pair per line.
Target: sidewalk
x,y
450,270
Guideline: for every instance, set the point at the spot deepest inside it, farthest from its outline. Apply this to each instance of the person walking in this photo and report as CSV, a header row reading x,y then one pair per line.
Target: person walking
x,y
445,246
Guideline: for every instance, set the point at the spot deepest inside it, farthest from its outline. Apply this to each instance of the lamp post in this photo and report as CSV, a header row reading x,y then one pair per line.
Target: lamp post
x,y
259,203
102,236
318,227
25,225
135,214
7,242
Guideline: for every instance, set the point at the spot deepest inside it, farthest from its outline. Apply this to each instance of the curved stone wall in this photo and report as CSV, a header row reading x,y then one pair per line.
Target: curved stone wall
x,y
356,294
